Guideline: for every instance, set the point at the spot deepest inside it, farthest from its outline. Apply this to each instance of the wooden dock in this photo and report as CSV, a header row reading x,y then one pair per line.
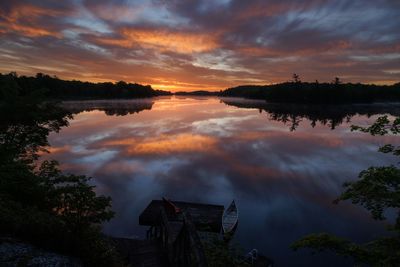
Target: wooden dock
x,y
175,235
172,238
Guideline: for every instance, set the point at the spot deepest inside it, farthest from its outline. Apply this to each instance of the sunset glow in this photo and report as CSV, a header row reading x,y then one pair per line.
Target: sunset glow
x,y
202,45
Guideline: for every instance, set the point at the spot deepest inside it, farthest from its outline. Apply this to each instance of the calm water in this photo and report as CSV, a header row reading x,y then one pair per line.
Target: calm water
x,y
204,150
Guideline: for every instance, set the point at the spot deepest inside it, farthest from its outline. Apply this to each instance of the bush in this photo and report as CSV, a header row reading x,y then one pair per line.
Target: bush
x,y
38,203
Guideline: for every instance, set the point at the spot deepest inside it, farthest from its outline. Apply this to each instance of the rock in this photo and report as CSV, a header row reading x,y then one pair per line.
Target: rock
x,y
15,253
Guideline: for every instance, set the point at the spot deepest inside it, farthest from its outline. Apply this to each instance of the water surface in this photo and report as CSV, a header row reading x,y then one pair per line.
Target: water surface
x,y
283,165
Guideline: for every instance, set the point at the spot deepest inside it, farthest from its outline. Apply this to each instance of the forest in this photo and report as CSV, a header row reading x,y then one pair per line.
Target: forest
x,y
55,88
295,91
335,92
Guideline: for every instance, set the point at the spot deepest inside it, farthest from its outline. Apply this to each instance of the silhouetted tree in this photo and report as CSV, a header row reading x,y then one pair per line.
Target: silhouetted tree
x,y
377,190
296,78
331,115
318,93
38,203
54,88
336,81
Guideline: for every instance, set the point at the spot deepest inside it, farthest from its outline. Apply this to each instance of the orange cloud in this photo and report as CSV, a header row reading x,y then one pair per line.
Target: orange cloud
x,y
181,143
164,40
26,30
55,150
120,142
23,19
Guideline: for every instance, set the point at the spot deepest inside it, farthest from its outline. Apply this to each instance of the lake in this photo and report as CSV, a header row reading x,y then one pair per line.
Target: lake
x,y
283,164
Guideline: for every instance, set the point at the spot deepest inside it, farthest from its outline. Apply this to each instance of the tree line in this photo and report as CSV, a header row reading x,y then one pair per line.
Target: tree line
x,y
52,87
336,92
294,91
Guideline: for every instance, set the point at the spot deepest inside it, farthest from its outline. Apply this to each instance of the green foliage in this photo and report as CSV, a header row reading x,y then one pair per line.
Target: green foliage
x,y
220,253
324,241
38,203
72,199
381,126
377,190
380,252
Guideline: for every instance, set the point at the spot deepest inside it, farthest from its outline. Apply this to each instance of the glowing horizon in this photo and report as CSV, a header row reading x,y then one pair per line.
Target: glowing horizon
x,y
202,45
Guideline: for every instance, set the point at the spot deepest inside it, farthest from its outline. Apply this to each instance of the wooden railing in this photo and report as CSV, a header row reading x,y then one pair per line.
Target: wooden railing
x,y
183,246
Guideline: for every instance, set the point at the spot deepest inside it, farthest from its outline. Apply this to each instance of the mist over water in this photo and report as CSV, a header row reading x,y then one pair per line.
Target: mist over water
x,y
282,165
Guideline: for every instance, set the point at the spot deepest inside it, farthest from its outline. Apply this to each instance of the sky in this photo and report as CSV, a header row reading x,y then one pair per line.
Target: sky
x,y
202,45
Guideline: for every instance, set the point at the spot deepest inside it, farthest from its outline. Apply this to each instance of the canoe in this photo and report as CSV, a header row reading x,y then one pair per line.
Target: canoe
x,y
230,219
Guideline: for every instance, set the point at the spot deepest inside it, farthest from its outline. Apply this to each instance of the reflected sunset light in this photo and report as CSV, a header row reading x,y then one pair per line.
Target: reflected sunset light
x,y
214,150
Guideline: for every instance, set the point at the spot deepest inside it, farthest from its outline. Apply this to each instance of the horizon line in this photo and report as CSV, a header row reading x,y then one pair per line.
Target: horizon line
x,y
94,81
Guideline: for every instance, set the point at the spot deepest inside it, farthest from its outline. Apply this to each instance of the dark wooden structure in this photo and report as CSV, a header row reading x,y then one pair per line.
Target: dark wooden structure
x,y
205,217
178,232
173,237
139,253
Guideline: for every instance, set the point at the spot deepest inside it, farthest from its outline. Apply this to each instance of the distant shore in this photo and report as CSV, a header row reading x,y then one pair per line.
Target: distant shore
x,y
287,92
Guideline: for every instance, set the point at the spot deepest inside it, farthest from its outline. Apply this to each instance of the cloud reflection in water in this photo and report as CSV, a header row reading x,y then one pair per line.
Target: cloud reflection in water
x,y
283,181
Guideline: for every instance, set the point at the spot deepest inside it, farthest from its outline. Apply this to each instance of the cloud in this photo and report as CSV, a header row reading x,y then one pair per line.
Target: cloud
x,y
27,20
192,45
182,143
163,40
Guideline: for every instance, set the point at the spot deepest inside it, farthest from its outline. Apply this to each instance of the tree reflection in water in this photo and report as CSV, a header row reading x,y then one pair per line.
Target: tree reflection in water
x,y
327,115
